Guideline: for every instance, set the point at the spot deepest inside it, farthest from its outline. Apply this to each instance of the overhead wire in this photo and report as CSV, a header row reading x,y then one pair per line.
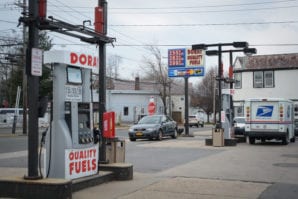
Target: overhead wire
x,y
189,7
202,24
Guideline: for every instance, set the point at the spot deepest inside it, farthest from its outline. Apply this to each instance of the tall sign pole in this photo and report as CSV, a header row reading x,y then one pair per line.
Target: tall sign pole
x,y
186,111
33,92
186,63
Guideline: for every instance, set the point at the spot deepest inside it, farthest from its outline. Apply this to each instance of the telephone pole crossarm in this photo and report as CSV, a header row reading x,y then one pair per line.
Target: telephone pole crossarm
x,y
81,32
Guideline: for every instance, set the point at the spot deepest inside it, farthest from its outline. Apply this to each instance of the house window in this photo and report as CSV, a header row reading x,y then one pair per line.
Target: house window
x,y
125,110
263,79
238,80
296,110
258,79
268,79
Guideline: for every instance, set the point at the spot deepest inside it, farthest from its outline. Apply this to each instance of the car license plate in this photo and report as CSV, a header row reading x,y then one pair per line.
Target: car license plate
x,y
139,133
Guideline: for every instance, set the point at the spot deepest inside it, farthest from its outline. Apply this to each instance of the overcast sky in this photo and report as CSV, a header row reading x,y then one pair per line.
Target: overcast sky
x,y
271,26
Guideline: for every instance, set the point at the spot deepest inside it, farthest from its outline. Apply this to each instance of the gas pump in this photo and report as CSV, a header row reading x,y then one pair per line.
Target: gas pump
x,y
70,149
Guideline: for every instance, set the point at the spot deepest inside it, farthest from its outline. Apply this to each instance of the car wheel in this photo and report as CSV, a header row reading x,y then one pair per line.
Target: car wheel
x,y
132,139
202,125
174,136
293,139
159,136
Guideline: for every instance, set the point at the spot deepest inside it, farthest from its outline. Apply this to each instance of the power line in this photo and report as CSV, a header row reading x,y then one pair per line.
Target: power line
x,y
207,24
208,11
190,7
12,22
194,12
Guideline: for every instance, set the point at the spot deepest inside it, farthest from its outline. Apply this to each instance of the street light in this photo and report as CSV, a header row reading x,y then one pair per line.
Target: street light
x,y
240,44
247,51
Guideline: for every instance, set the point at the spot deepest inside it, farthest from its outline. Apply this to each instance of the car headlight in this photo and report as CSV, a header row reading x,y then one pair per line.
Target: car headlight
x,y
130,129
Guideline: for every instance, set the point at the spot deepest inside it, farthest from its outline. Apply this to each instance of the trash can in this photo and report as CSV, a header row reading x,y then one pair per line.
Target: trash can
x,y
115,150
218,137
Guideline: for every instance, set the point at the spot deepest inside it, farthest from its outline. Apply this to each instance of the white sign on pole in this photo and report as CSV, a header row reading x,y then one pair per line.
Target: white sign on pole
x,y
36,62
223,116
228,91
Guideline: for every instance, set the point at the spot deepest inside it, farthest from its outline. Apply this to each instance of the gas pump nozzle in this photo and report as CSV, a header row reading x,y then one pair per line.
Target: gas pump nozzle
x,y
96,135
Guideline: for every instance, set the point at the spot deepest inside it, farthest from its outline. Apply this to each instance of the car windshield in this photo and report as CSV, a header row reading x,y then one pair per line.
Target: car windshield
x,y
150,120
239,120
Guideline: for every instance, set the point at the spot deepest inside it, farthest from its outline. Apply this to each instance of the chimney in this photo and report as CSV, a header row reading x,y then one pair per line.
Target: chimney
x,y
137,83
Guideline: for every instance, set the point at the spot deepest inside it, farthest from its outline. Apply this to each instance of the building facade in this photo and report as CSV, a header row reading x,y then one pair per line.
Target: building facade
x,y
265,76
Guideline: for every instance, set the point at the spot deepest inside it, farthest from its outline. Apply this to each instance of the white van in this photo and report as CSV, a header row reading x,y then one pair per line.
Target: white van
x,y
269,118
7,114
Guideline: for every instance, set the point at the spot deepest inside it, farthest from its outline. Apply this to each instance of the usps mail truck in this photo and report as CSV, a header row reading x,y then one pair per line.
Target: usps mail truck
x,y
269,118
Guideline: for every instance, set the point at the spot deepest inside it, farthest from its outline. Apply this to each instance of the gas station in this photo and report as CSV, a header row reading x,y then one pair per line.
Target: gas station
x,y
74,158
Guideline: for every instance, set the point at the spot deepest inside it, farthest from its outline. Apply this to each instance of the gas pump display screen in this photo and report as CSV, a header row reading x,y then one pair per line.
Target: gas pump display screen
x,y
74,75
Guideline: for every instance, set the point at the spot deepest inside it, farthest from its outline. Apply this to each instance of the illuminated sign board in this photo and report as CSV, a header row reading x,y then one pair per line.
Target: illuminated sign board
x,y
186,62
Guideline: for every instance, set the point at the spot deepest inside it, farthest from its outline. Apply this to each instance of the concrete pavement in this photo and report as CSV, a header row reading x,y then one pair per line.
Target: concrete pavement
x,y
243,171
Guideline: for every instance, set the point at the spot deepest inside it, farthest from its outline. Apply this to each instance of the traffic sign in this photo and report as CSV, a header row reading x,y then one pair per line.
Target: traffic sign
x,y
151,108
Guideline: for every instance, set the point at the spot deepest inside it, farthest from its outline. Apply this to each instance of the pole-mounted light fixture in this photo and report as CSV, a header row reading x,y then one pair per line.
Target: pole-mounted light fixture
x,y
250,51
199,47
240,44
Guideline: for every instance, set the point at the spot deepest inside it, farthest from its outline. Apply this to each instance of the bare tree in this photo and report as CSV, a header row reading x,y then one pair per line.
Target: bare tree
x,y
204,93
113,66
156,70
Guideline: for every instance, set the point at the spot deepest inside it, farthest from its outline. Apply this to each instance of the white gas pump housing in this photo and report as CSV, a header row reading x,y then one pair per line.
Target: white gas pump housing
x,y
70,149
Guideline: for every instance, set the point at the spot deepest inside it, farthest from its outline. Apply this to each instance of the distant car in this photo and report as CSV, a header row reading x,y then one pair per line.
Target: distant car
x,y
239,126
296,127
153,127
195,121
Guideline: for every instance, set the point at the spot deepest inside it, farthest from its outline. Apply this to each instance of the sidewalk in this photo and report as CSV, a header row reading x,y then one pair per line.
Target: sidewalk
x,y
150,187
244,171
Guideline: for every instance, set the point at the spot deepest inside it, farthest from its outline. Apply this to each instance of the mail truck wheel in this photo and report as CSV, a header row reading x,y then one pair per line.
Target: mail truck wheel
x,y
252,140
286,139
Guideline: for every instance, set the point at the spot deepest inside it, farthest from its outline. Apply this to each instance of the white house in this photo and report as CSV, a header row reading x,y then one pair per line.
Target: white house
x,y
265,76
131,105
130,99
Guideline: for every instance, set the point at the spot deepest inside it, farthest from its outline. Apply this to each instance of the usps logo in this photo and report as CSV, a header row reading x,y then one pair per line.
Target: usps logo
x,y
265,111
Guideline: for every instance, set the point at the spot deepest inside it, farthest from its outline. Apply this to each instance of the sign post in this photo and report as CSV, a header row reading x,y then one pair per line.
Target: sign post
x,y
186,63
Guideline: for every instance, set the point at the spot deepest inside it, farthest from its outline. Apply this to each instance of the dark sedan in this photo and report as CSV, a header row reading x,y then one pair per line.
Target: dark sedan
x,y
153,127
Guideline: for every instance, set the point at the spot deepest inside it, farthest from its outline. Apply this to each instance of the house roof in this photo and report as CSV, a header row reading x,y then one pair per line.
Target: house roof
x,y
263,62
120,84
145,85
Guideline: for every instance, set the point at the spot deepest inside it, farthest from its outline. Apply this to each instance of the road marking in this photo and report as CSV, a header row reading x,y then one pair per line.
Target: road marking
x,y
15,154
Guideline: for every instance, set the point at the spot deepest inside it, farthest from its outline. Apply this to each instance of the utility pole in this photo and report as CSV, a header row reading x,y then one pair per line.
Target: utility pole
x,y
24,75
102,81
33,92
